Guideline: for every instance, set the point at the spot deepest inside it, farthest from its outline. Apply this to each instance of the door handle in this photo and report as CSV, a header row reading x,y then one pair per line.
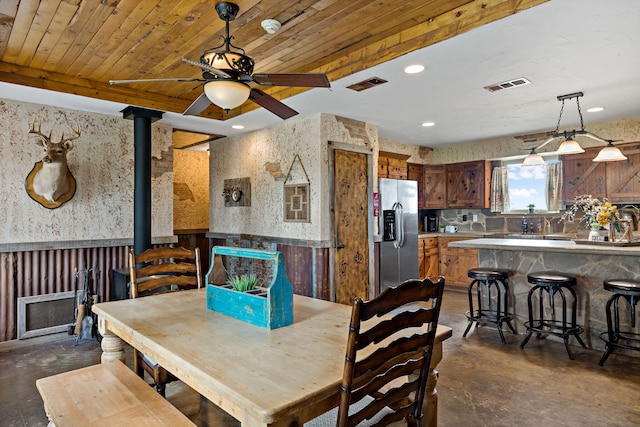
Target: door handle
x,y
339,246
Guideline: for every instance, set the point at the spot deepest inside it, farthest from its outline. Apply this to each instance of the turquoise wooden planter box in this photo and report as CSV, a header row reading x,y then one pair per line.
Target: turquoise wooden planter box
x,y
269,307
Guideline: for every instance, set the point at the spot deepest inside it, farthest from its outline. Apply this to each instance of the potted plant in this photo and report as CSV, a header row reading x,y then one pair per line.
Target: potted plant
x,y
244,282
264,302
531,207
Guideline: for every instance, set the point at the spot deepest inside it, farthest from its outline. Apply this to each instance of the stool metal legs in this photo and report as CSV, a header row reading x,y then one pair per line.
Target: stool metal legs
x,y
542,325
498,315
614,337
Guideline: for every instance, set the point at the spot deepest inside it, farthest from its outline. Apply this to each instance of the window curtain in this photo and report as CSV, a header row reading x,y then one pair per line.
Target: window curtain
x,y
499,189
554,187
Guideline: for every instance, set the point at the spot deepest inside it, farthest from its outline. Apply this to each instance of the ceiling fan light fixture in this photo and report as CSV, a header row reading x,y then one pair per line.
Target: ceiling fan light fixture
x,y
610,153
227,93
570,146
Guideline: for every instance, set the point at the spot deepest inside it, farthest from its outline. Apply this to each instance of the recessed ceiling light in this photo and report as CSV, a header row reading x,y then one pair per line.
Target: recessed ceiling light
x,y
428,124
237,127
413,69
595,109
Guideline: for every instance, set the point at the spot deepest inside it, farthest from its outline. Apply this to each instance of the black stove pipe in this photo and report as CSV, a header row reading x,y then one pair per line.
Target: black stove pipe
x,y
142,119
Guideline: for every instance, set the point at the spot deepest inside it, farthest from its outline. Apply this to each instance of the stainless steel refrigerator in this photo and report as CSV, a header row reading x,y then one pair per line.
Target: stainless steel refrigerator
x,y
399,228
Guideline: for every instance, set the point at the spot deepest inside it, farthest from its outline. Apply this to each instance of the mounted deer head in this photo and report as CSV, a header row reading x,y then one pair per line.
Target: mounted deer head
x,y
51,179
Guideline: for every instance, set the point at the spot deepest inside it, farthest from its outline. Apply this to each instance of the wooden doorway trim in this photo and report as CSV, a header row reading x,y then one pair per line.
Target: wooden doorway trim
x,y
332,146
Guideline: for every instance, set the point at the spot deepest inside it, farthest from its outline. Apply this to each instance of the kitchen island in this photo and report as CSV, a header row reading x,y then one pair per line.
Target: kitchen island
x,y
591,263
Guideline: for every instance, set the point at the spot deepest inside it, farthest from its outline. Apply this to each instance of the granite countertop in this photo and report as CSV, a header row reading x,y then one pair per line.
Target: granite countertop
x,y
468,234
538,245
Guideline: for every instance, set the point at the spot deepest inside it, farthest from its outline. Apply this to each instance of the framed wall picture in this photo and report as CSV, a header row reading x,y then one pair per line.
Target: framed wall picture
x,y
296,203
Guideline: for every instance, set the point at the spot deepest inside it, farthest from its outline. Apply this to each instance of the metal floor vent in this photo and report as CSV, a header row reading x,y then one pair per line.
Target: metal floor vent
x,y
44,314
521,81
367,84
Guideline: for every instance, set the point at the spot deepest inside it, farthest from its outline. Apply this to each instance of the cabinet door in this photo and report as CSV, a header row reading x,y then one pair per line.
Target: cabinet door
x,y
581,175
431,263
397,168
435,187
415,172
468,184
383,167
623,178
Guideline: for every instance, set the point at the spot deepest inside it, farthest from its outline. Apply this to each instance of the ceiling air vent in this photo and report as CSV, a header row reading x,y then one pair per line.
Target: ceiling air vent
x,y
367,84
508,84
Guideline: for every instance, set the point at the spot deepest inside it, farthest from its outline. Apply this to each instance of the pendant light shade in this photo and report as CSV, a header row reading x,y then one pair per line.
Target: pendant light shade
x,y
533,159
610,154
570,146
227,93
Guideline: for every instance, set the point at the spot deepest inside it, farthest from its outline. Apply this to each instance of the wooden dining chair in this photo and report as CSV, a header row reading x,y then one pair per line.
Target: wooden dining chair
x,y
156,271
389,349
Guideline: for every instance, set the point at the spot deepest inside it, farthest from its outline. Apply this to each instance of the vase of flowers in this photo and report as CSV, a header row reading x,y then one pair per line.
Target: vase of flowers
x,y
599,215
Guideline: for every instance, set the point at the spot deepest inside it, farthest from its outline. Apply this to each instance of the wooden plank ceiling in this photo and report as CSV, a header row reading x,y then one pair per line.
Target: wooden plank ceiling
x,y
77,46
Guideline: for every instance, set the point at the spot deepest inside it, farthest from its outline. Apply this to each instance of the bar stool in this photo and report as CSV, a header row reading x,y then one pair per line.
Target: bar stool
x,y
553,283
484,280
614,337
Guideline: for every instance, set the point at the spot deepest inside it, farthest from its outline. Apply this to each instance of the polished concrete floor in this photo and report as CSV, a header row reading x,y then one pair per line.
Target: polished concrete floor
x,y
482,382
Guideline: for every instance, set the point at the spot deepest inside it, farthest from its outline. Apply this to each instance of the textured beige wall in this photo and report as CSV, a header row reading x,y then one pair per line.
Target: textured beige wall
x,y
265,157
102,164
625,130
190,190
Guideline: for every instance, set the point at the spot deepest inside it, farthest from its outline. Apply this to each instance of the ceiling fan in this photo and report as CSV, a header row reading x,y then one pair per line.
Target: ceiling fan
x,y
226,74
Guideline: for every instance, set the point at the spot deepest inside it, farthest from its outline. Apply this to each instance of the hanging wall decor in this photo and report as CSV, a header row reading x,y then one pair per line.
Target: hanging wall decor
x,y
296,196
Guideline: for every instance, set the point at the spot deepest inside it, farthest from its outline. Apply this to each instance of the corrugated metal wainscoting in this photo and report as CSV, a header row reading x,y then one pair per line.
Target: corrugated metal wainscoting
x,y
31,273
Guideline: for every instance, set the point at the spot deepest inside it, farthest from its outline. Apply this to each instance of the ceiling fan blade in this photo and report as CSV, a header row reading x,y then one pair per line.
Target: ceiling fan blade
x,y
271,104
197,106
293,79
209,68
124,82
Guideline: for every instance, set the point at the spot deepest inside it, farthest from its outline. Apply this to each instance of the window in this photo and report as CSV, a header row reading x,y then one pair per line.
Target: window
x,y
527,185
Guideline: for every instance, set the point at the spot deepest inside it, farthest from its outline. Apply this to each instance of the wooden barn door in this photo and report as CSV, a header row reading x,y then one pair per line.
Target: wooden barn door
x,y
351,226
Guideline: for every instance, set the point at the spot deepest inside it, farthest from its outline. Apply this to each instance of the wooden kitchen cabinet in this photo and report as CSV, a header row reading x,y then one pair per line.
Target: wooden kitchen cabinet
x,y
428,257
392,165
468,184
623,178
455,262
619,182
415,172
435,187
581,175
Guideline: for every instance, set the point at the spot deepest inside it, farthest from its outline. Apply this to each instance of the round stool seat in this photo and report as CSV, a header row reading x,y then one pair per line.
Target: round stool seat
x,y
488,273
551,278
622,286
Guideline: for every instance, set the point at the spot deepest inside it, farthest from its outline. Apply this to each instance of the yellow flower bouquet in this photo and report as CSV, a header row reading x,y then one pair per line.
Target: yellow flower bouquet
x,y
597,213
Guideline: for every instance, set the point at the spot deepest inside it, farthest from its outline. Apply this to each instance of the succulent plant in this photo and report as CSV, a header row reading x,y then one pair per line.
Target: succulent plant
x,y
244,282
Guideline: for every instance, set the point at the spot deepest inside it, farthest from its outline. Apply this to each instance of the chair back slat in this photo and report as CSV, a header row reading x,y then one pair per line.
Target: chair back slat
x,y
162,269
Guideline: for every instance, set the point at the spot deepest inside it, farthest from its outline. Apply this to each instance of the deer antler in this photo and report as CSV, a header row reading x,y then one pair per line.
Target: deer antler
x,y
76,131
46,139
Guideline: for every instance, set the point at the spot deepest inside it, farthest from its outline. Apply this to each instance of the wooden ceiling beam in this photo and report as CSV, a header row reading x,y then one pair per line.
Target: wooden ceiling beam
x,y
79,86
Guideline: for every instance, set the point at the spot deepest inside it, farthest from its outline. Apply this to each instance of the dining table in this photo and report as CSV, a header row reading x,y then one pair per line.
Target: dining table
x,y
262,377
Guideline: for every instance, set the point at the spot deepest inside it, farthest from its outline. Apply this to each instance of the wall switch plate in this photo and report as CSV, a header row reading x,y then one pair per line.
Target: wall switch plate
x,y
475,218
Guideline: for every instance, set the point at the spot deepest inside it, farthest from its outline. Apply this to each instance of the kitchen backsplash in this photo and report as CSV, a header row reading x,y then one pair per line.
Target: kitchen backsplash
x,y
493,222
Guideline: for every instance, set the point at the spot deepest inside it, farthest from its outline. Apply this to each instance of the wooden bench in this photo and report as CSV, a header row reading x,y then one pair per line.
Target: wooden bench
x,y
108,394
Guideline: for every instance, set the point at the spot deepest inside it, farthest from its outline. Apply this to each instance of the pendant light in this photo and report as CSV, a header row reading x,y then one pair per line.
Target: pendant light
x,y
610,154
569,145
